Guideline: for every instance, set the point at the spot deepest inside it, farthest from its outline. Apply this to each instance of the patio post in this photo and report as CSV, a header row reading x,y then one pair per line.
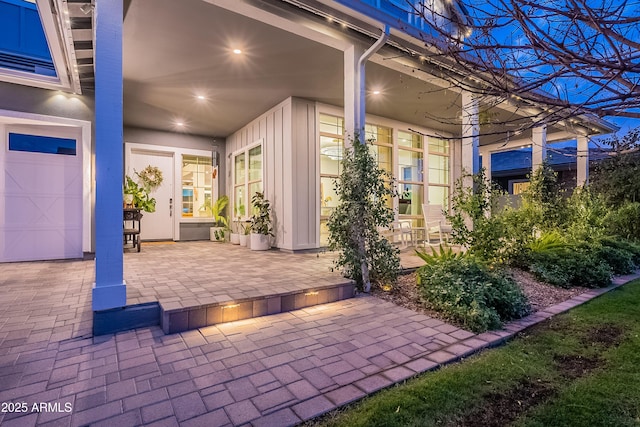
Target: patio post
x,y
351,56
470,136
539,146
582,160
109,290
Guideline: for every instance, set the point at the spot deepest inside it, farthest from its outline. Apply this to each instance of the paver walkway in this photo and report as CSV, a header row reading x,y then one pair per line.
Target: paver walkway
x,y
272,371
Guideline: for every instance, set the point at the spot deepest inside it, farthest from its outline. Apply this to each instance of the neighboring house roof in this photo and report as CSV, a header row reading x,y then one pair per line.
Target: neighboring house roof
x,y
518,162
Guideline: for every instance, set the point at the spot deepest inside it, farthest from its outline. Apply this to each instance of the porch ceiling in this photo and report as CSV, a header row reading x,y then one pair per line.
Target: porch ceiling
x,y
174,51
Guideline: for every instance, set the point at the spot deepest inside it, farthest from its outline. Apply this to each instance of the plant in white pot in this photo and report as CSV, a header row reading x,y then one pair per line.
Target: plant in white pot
x,y
245,231
234,237
261,231
218,232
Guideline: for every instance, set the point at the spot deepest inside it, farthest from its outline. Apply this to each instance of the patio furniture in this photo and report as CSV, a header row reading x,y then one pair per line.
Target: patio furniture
x,y
402,230
131,226
435,224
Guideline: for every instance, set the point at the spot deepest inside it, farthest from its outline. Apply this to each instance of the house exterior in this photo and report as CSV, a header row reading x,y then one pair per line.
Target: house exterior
x,y
226,97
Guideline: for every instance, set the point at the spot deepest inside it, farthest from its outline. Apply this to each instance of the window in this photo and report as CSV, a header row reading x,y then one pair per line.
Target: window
x,y
331,146
247,179
42,144
23,45
197,177
382,148
439,172
410,177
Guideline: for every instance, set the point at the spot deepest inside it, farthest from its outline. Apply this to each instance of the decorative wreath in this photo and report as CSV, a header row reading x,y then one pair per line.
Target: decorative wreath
x,y
151,177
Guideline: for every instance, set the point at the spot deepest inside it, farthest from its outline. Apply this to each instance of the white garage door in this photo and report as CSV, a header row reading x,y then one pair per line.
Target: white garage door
x,y
40,197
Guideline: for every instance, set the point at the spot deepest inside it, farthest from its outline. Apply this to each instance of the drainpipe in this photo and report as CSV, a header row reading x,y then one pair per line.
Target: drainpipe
x,y
360,86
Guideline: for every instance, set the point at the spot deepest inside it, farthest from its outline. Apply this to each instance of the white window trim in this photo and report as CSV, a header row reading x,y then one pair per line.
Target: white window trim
x,y
245,150
177,179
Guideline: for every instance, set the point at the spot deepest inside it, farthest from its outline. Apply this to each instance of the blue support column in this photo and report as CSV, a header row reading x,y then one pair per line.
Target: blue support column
x,y
109,290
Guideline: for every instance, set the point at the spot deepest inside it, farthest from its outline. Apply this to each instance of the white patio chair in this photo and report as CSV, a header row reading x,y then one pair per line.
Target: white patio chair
x,y
401,229
435,224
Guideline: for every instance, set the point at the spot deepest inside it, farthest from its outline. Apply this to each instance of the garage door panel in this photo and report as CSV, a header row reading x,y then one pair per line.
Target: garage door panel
x,y
41,206
21,245
25,211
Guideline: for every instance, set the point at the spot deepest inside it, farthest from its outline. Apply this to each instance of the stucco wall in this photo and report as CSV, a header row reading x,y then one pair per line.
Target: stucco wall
x,y
43,101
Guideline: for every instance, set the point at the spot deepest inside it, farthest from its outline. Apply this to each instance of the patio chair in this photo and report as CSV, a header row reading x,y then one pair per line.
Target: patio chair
x,y
435,224
401,229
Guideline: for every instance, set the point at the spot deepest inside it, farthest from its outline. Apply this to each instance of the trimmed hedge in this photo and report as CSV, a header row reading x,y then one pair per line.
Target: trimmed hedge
x,y
470,294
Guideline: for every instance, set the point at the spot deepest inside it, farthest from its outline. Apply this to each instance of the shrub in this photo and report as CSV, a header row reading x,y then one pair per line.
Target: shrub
x,y
570,267
625,221
473,219
632,248
544,199
620,260
586,215
468,293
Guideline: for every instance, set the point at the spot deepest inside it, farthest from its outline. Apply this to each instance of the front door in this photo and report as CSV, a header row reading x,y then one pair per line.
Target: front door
x,y
159,224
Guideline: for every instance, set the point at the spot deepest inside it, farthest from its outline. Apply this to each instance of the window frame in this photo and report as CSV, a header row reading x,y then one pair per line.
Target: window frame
x,y
245,151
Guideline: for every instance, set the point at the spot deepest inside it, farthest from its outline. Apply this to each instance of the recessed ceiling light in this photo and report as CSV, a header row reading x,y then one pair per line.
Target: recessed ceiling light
x,y
237,51
376,92
201,97
179,124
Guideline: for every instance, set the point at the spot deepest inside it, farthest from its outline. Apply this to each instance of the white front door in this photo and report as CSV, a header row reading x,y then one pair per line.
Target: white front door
x,y
159,224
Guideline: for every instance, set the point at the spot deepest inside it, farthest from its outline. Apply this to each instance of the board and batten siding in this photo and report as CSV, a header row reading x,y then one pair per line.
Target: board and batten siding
x,y
288,134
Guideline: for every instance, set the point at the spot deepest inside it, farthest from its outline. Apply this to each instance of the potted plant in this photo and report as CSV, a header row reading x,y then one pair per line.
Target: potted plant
x,y
137,196
404,203
218,232
245,230
234,237
261,231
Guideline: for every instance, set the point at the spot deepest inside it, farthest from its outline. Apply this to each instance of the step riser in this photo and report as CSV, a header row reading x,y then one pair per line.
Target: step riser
x,y
180,320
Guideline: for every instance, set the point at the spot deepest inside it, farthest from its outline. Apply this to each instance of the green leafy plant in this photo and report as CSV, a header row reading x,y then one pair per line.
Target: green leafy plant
x,y
445,253
261,219
624,221
363,190
626,245
217,209
141,198
474,220
470,294
586,213
575,266
616,177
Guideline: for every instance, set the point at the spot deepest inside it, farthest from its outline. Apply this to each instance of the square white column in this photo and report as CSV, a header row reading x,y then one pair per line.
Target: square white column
x,y
539,146
582,166
470,135
109,290
352,93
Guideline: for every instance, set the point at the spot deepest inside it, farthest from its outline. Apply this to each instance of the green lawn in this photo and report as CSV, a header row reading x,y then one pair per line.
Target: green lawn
x,y
581,368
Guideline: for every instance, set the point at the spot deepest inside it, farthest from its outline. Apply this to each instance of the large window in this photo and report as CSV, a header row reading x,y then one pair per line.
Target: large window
x,y
439,172
403,153
197,177
331,146
410,176
247,179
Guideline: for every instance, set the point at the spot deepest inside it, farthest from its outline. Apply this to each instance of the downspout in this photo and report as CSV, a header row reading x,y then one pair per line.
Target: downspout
x,y
359,128
360,87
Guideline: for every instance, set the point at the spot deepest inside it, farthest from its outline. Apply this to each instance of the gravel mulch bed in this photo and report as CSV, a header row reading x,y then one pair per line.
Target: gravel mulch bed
x,y
540,294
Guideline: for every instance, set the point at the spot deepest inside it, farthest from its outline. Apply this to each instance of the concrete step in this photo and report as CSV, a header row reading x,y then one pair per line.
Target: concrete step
x,y
198,316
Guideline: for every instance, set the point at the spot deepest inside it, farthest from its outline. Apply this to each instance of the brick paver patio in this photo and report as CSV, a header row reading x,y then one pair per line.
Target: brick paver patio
x,y
274,371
